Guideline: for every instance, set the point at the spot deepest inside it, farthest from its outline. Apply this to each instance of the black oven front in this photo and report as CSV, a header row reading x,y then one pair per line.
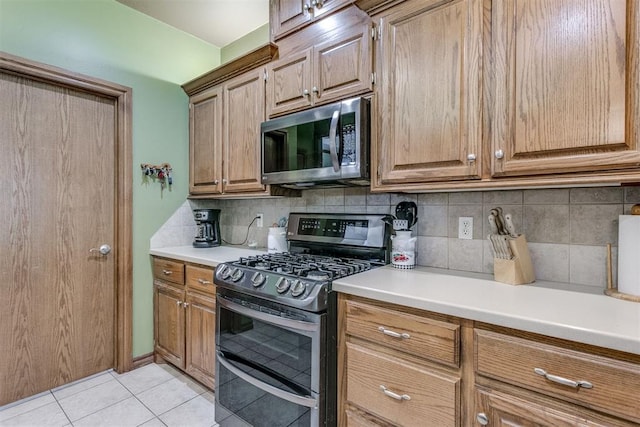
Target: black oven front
x,y
274,367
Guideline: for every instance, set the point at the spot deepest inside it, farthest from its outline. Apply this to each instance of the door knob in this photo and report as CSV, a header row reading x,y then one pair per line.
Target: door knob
x,y
103,249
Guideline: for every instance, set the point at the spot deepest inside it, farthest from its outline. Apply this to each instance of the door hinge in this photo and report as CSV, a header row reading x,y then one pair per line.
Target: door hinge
x,y
373,78
265,76
373,32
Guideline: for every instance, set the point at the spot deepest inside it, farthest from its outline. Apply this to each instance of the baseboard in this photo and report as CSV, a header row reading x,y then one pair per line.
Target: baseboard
x,y
140,361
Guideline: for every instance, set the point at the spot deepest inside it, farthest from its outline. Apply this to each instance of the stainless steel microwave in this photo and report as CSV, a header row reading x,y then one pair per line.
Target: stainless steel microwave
x,y
324,146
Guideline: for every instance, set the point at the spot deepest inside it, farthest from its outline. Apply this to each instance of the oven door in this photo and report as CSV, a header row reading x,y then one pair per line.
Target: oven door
x,y
269,363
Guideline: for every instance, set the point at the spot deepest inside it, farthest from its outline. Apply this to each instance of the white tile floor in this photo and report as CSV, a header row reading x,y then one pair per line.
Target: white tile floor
x,y
150,396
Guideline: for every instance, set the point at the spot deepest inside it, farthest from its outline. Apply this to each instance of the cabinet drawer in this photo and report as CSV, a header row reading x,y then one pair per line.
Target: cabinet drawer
x,y
171,271
429,395
201,279
427,338
616,384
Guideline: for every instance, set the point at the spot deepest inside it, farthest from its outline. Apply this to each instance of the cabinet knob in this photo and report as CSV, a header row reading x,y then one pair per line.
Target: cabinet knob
x,y
215,182
471,157
317,3
178,303
167,272
305,92
482,419
308,7
499,154
204,282
224,180
315,90
185,304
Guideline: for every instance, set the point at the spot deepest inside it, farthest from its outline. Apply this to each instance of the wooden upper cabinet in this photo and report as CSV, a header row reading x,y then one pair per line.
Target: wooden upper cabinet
x,y
205,145
326,72
287,16
566,82
244,110
429,86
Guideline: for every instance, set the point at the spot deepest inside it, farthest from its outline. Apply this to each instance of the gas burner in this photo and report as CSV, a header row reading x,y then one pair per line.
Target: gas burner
x,y
261,265
318,275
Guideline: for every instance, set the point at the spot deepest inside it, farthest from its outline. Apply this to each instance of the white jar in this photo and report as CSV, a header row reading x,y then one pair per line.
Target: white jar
x,y
277,240
403,250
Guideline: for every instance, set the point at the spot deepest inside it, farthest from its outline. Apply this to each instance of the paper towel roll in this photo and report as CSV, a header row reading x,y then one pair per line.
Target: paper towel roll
x,y
629,254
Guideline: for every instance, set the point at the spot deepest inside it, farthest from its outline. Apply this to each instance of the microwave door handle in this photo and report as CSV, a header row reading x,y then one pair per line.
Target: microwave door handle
x,y
333,131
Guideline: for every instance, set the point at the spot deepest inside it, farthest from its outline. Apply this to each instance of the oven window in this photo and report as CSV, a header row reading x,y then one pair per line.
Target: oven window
x,y
266,349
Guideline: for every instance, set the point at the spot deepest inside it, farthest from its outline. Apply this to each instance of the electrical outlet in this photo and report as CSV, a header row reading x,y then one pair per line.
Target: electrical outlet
x,y
465,227
259,222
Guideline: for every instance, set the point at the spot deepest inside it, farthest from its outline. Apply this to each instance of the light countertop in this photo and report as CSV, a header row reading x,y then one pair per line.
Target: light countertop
x,y
539,307
206,256
583,317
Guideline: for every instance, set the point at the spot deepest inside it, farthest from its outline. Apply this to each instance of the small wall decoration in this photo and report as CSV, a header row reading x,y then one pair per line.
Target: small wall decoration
x,y
159,173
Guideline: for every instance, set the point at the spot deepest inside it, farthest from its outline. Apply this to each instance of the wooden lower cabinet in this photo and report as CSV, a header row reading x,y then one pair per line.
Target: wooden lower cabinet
x,y
184,320
169,322
399,366
496,408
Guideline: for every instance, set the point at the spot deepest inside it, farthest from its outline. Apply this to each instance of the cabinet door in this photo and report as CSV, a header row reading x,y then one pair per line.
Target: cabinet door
x,y
343,67
200,338
566,86
289,83
430,96
205,142
501,409
286,15
169,323
244,110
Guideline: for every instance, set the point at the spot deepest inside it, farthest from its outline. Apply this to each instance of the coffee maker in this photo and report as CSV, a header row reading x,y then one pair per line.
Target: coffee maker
x,y
208,223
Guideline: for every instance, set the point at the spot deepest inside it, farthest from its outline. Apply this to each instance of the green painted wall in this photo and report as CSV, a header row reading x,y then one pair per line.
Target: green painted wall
x,y
247,43
105,39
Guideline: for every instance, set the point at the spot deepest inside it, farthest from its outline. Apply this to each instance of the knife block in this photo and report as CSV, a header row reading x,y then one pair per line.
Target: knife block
x,y
516,271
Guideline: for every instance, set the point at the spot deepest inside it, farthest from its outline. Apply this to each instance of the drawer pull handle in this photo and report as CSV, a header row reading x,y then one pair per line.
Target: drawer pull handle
x,y
393,395
167,272
563,381
204,282
385,331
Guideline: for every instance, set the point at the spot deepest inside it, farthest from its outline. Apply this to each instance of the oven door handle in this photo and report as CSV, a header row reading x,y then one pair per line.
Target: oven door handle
x,y
309,402
270,318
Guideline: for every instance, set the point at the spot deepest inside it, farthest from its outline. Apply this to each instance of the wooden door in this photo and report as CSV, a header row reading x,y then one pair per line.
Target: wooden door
x,y
343,67
289,83
566,75
200,359
205,142
58,178
430,92
169,323
244,107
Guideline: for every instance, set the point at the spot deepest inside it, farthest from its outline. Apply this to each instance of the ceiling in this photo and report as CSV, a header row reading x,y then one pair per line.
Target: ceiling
x,y
218,22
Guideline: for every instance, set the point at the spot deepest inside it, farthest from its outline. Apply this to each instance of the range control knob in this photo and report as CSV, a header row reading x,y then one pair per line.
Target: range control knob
x,y
282,285
237,274
298,289
258,279
224,271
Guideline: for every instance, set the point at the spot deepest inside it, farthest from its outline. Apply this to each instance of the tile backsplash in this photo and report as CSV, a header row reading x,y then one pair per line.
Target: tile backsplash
x,y
567,229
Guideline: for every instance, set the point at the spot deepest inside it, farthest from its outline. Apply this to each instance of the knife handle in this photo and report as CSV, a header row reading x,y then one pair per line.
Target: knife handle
x,y
508,224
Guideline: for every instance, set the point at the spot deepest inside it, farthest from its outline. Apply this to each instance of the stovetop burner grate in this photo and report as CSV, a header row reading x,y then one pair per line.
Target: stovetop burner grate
x,y
315,267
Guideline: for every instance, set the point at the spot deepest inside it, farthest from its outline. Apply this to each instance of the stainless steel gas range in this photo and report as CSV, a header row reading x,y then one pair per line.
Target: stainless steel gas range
x,y
276,321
